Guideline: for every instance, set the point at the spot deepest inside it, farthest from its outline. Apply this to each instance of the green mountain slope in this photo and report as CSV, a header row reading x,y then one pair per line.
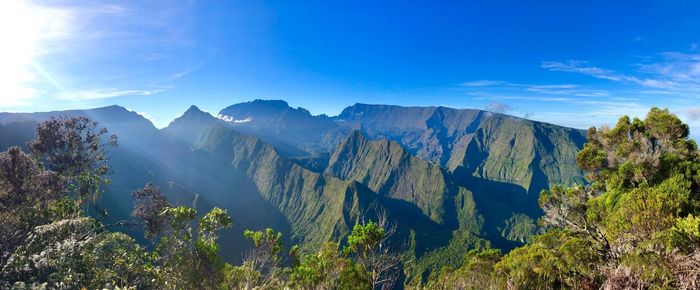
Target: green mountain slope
x,y
473,142
504,161
386,168
318,208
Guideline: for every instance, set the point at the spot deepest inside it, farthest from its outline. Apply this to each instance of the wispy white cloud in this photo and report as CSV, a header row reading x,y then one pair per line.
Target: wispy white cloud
x,y
670,79
187,71
225,118
482,83
677,68
498,107
230,119
583,67
483,96
676,72
550,89
97,94
606,113
692,113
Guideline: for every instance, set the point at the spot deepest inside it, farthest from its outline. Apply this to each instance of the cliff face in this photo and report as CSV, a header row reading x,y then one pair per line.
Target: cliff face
x,y
477,143
470,143
386,168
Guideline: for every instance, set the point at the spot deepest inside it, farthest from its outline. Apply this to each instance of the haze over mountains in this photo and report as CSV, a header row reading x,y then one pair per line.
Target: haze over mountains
x,y
441,173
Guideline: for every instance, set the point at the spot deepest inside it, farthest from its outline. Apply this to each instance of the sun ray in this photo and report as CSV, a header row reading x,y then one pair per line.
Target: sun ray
x,y
25,29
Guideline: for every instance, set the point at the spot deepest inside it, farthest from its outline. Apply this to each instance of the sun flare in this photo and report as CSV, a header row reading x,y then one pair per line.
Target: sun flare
x,y
24,28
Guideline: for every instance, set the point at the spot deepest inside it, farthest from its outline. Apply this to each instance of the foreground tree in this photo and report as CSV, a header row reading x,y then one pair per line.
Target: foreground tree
x,y
634,226
328,269
26,194
46,240
75,149
260,268
623,230
369,245
150,207
475,274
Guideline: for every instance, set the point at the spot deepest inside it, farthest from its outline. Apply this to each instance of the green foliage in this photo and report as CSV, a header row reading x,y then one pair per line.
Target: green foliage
x,y
28,195
118,261
74,148
260,266
689,227
451,256
554,259
215,220
43,233
327,269
518,227
265,239
190,262
637,152
369,245
181,216
364,238
476,272
631,225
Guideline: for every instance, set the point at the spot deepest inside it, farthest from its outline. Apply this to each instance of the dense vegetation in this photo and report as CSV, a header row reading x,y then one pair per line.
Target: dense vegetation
x,y
635,224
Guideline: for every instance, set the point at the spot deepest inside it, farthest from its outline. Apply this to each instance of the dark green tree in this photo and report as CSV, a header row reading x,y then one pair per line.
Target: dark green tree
x,y
75,149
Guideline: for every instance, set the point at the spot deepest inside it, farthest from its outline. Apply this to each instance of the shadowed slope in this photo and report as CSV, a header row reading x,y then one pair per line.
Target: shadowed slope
x,y
386,168
318,208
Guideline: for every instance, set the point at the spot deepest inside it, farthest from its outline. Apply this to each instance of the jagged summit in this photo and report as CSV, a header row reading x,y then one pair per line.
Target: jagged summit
x,y
194,114
193,108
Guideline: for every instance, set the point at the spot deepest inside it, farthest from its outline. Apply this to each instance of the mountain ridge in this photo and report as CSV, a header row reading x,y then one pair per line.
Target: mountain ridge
x,y
441,172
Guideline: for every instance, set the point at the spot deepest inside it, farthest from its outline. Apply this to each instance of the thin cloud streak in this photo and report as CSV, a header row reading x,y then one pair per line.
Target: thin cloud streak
x,y
551,89
103,94
498,107
676,72
691,113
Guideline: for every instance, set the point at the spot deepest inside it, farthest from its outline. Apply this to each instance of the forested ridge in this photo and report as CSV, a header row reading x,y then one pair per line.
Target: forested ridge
x,y
635,224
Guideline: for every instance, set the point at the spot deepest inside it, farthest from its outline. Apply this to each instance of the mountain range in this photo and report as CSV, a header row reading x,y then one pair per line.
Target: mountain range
x,y
440,173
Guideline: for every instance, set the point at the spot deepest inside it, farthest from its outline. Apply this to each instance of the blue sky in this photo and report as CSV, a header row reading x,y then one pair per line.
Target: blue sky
x,y
573,63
